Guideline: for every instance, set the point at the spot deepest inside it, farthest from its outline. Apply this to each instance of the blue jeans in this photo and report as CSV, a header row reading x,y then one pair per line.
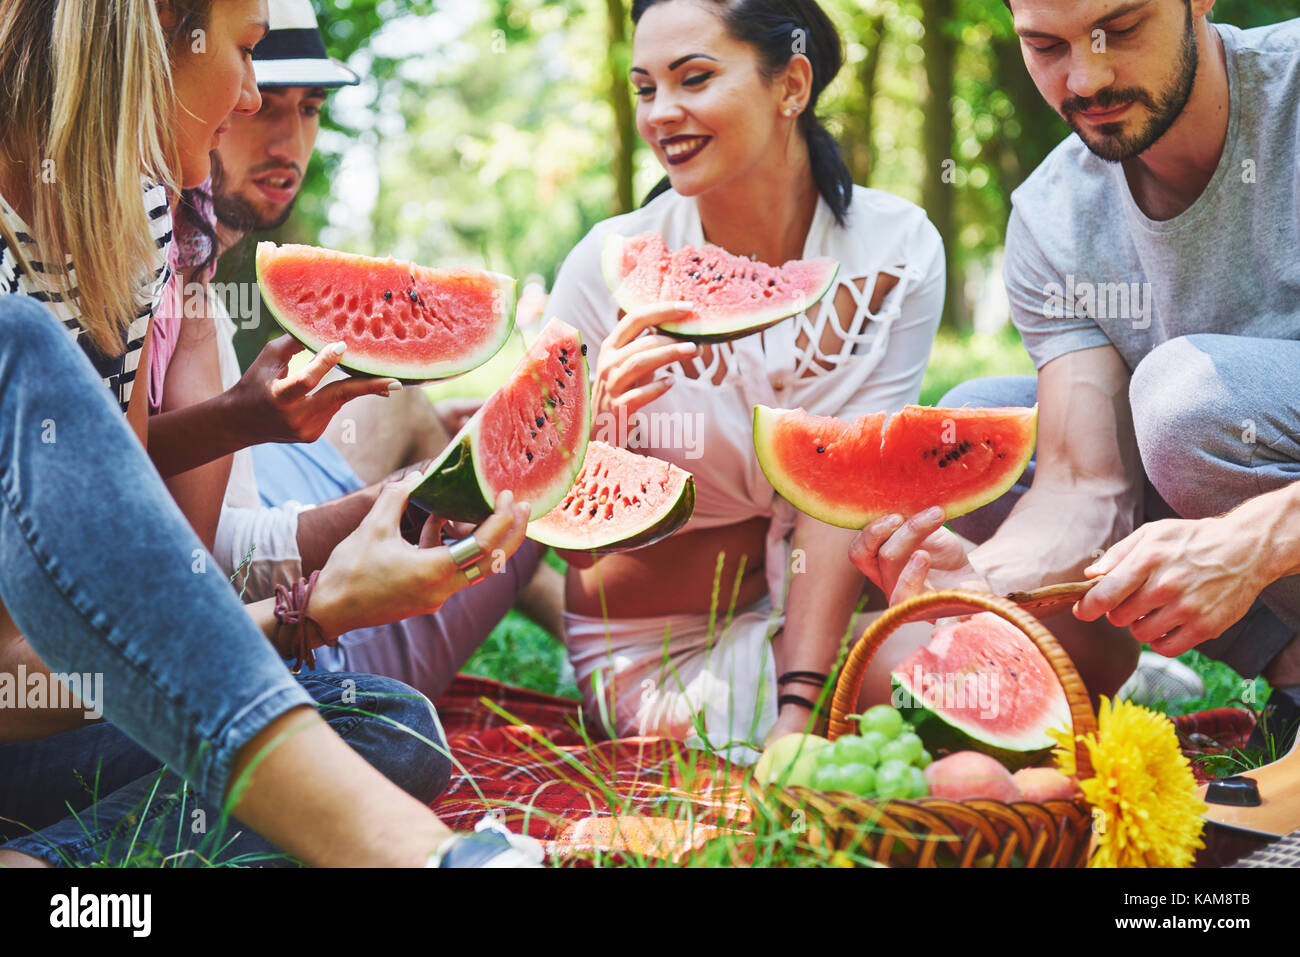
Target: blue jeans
x,y
102,574
94,796
1217,422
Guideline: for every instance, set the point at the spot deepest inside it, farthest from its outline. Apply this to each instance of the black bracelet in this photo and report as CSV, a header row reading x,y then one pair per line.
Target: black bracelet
x,y
803,677
786,699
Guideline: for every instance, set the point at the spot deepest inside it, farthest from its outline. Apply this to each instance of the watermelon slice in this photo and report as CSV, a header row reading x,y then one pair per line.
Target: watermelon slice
x,y
851,473
733,296
982,685
529,437
399,320
620,501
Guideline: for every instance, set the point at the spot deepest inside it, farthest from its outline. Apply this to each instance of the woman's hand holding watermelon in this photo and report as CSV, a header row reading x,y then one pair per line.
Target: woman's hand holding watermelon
x,y
628,360
907,557
375,577
273,405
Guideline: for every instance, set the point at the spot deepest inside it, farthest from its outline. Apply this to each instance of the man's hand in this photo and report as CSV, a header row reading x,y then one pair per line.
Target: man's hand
x,y
1177,583
906,558
375,577
271,405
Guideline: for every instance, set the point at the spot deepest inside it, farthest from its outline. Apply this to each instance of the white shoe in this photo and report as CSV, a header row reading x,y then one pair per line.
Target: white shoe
x,y
1158,678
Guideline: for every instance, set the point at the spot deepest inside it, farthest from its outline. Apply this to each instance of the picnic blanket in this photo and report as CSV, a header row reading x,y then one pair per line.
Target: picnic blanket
x,y
526,758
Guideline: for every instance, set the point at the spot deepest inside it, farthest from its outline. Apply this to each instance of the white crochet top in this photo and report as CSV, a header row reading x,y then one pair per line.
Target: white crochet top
x,y
862,349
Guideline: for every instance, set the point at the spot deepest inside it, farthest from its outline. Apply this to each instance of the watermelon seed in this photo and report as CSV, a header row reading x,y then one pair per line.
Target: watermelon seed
x,y
584,348
530,455
560,383
821,449
540,421
414,297
532,433
943,463
568,371
771,282
388,295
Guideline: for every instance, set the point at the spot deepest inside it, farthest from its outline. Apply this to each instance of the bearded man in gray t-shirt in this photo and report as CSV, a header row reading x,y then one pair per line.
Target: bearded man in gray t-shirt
x,y
1153,269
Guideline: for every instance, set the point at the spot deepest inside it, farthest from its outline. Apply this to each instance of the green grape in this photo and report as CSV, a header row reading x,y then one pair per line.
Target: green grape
x,y
924,760
919,786
854,750
876,739
893,779
907,747
883,718
854,778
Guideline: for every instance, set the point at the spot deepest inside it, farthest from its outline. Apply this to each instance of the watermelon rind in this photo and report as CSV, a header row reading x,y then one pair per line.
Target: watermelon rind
x,y
455,488
452,487
766,421
410,373
707,330
654,529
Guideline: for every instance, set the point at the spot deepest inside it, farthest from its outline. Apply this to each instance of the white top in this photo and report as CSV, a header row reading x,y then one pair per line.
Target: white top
x,y
845,363
119,371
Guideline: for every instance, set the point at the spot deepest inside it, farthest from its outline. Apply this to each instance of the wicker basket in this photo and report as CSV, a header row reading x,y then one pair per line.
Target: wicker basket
x,y
931,832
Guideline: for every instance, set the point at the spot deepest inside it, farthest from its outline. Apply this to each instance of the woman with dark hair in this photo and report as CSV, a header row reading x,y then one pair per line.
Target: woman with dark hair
x,y
727,94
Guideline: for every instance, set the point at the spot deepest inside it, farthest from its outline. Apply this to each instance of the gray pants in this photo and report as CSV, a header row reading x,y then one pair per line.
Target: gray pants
x,y
1217,423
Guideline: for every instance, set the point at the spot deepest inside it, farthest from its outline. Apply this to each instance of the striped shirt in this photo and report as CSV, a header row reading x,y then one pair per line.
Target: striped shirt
x,y
119,371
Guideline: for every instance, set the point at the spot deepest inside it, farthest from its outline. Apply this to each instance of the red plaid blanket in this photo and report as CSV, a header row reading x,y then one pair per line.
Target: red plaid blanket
x,y
542,774
536,768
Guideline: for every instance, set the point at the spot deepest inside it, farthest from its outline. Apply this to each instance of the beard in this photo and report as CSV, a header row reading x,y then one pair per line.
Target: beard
x,y
238,214
1108,142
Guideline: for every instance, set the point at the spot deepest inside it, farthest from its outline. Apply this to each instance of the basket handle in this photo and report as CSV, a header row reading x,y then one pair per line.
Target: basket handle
x,y
923,606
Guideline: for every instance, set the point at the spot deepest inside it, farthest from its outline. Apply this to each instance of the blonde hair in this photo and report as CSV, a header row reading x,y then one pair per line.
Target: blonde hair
x,y
86,89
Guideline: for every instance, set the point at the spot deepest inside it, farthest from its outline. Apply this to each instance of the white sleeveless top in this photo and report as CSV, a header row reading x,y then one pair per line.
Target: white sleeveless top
x,y
827,365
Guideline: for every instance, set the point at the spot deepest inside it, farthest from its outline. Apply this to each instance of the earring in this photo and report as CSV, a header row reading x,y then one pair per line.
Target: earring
x,y
791,110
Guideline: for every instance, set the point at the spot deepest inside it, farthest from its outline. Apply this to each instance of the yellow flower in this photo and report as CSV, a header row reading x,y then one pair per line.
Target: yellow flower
x,y
1145,809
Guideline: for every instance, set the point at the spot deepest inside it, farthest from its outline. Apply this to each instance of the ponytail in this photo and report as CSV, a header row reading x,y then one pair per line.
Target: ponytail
x,y
778,29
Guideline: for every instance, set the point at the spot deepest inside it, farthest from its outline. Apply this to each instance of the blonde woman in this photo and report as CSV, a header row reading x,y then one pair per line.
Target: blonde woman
x,y
99,574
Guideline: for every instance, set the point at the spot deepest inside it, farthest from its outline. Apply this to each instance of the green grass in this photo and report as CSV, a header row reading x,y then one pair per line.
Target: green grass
x,y
521,653
957,358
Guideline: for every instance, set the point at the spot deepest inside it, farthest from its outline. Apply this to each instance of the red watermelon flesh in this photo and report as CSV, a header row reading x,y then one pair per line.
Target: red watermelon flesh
x,y
986,683
398,319
733,296
851,473
620,501
529,437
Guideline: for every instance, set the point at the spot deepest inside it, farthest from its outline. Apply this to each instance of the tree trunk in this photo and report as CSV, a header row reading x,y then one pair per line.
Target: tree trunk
x,y
621,99
864,156
939,187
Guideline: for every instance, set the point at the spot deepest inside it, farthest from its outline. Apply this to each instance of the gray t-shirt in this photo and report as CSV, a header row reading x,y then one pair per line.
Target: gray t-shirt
x,y
1085,267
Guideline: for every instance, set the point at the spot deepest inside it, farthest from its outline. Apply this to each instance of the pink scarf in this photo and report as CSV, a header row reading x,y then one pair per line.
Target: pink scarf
x,y
188,248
